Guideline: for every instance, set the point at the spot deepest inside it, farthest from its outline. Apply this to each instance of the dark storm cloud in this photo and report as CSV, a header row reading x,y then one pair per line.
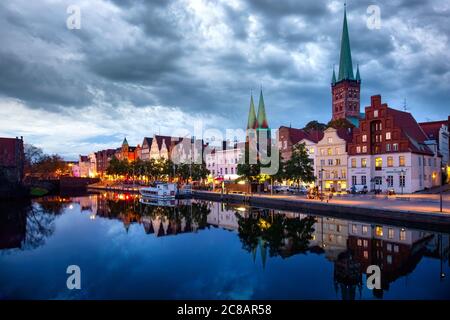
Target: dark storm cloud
x,y
205,57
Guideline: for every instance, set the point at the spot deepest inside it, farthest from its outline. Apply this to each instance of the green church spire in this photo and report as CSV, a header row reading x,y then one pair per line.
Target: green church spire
x,y
262,119
125,142
358,77
345,63
252,123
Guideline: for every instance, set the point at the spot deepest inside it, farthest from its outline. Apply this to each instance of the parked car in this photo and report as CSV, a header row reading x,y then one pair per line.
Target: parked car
x,y
358,189
300,189
278,189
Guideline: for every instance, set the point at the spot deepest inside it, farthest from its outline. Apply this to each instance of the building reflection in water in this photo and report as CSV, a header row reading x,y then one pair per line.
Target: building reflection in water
x,y
264,233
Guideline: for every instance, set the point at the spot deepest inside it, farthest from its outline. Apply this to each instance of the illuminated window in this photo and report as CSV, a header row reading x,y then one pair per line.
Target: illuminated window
x,y
329,151
354,228
365,229
330,140
364,138
359,242
379,231
402,234
353,163
378,163
363,163
311,150
366,254
390,161
391,233
358,149
364,149
401,161
338,162
366,243
375,114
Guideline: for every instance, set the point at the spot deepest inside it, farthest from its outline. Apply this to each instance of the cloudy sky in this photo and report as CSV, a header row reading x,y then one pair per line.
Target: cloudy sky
x,y
141,67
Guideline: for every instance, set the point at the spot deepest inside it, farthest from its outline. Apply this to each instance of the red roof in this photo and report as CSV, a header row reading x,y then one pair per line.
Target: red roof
x,y
296,135
9,156
432,128
411,130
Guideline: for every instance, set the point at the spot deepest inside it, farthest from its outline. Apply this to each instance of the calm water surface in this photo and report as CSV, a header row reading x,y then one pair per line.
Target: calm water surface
x,y
208,250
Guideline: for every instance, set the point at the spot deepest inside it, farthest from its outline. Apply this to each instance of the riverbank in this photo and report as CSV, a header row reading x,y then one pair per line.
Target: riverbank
x,y
414,213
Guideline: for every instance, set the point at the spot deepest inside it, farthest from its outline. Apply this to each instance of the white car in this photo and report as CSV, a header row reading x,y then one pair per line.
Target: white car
x,y
278,189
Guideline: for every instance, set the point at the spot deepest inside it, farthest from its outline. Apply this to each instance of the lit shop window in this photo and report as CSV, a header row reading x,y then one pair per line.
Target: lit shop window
x,y
390,161
329,151
378,163
401,161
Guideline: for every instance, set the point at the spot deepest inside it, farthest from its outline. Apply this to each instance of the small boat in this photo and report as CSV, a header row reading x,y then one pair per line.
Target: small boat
x,y
160,191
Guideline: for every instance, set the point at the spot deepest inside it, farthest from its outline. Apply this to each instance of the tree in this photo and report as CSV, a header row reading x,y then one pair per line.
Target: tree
x,y
315,125
299,166
340,123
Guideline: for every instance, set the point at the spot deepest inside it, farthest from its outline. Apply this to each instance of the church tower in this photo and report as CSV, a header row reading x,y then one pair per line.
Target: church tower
x,y
345,88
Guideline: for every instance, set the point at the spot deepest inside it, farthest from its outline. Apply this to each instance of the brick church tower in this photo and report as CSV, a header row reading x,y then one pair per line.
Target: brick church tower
x,y
345,89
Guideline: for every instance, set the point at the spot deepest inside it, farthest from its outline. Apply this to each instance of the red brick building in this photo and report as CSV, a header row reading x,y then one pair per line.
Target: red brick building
x,y
389,150
12,159
102,160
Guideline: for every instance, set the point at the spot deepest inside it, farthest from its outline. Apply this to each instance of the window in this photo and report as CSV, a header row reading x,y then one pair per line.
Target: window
x,y
354,228
402,181
396,248
330,140
388,147
364,138
338,162
378,164
353,163
311,150
379,231
364,149
388,136
366,254
365,243
322,152
389,259
395,147
390,181
359,242
402,235
389,247
363,163
226,170
364,180
354,180
232,170
375,114
329,151
401,161
365,229
322,162
390,161
330,162
358,149
343,174
391,233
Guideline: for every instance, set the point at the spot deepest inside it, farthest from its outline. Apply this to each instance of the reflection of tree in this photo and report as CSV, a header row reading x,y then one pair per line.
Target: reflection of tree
x,y
282,235
40,225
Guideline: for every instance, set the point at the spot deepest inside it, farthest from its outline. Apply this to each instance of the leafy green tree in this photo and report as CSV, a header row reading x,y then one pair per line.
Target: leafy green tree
x,y
340,123
299,167
315,125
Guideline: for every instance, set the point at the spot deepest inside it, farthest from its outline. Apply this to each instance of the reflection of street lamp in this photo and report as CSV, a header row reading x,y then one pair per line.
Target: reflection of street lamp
x,y
442,274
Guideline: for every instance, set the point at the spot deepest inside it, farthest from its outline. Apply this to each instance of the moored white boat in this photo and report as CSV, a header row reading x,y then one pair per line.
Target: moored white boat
x,y
160,191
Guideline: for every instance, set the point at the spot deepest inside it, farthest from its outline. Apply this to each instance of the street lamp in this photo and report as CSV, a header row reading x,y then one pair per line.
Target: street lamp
x,y
440,188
